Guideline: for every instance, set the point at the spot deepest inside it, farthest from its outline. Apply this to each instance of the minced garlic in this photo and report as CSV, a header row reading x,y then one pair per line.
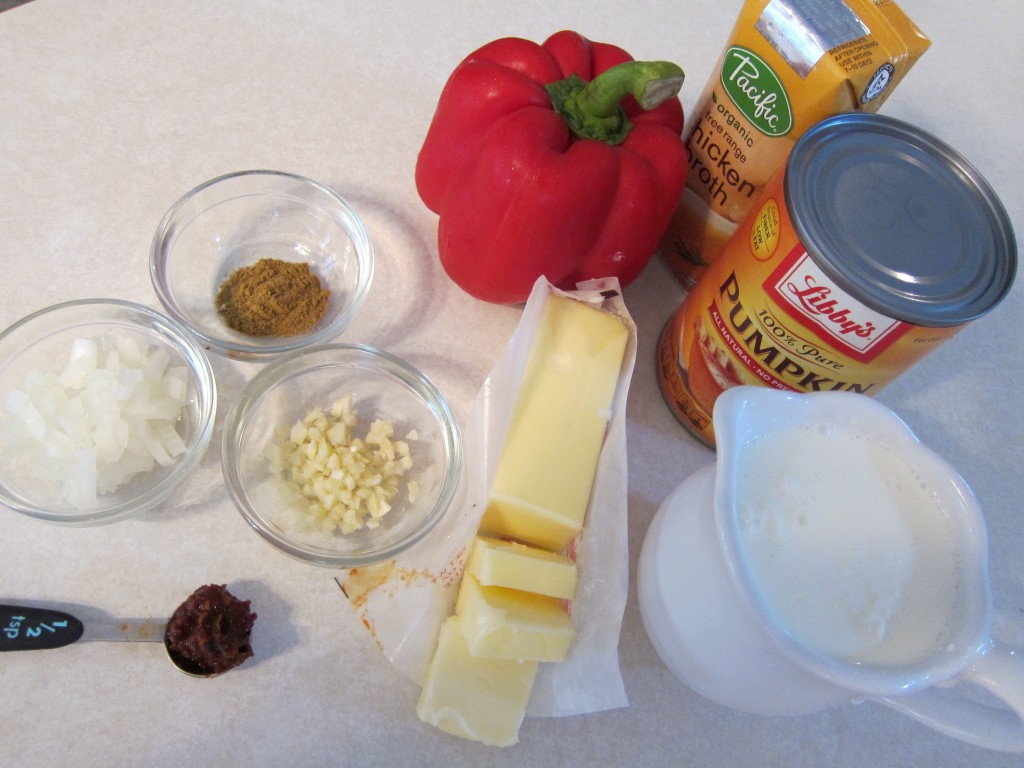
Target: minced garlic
x,y
343,482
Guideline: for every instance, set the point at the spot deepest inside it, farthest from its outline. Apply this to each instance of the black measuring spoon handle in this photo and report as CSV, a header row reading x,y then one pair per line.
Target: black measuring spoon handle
x,y
36,629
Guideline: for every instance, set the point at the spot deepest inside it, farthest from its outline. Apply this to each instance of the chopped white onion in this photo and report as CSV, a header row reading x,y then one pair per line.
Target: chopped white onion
x,y
110,414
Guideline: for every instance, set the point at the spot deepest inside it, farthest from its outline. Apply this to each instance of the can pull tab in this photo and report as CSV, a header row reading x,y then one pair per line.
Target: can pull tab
x,y
36,629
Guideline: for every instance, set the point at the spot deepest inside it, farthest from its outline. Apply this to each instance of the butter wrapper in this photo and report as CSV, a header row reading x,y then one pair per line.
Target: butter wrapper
x,y
403,602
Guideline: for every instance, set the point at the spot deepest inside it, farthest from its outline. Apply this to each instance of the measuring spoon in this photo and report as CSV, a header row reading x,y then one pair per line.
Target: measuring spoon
x,y
23,628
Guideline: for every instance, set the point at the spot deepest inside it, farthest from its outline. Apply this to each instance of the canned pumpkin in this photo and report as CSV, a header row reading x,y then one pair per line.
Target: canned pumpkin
x,y
874,244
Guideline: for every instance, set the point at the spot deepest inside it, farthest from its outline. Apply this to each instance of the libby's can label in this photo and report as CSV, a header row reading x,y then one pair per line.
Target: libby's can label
x,y
875,244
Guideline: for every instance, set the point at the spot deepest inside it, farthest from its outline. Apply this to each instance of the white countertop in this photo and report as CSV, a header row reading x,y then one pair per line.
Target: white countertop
x,y
110,110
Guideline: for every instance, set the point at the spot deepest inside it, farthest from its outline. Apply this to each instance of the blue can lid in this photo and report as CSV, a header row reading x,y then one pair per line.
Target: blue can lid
x,y
899,220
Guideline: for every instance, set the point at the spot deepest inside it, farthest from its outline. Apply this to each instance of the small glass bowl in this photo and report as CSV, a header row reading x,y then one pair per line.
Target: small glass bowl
x,y
43,342
236,220
382,387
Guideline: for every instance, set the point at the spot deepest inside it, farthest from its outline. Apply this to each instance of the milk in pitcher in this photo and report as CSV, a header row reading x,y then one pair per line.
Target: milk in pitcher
x,y
850,548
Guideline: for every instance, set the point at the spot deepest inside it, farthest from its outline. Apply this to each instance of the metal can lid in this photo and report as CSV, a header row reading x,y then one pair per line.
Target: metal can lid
x,y
899,220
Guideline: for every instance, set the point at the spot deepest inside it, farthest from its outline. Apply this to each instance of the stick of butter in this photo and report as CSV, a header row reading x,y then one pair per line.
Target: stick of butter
x,y
502,623
510,614
542,485
500,563
471,697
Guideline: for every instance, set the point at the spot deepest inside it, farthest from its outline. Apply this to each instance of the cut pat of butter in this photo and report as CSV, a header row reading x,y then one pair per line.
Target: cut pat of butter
x,y
471,697
500,563
542,485
511,624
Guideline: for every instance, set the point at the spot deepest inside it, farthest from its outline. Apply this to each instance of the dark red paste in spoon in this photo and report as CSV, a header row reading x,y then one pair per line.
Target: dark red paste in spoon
x,y
209,633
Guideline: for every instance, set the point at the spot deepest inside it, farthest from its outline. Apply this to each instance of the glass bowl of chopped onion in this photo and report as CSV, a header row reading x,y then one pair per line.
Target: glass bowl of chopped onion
x,y
341,455
259,263
106,407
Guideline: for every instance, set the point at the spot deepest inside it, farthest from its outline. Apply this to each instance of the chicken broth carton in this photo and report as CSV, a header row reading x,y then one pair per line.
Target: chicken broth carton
x,y
788,65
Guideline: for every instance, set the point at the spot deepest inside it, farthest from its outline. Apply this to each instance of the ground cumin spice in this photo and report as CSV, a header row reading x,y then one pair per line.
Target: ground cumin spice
x,y
272,298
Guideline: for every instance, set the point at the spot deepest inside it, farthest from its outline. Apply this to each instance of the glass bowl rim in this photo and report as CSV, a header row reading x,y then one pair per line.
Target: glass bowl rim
x,y
288,366
201,370
262,352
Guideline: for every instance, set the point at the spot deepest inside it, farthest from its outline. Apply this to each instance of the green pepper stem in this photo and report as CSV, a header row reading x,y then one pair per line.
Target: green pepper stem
x,y
594,110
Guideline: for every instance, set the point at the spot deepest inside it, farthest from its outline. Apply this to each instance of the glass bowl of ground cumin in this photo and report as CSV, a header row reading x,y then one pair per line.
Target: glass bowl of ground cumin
x,y
258,263
341,455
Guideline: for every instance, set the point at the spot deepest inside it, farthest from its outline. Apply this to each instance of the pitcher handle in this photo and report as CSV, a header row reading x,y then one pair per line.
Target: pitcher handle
x,y
1000,671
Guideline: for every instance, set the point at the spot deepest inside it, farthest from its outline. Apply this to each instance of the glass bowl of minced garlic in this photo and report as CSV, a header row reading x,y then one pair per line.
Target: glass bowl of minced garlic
x,y
259,263
341,455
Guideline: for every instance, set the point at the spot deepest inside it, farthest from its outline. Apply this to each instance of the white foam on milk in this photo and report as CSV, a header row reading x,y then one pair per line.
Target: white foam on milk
x,y
850,549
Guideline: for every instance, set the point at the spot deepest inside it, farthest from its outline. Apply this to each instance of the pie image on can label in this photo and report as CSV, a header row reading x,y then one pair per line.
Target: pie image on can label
x,y
875,243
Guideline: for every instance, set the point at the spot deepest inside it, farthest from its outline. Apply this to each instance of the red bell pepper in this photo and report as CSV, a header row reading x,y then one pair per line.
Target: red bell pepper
x,y
563,159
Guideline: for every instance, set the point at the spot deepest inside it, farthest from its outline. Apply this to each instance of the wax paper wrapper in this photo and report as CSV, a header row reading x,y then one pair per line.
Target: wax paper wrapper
x,y
403,602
